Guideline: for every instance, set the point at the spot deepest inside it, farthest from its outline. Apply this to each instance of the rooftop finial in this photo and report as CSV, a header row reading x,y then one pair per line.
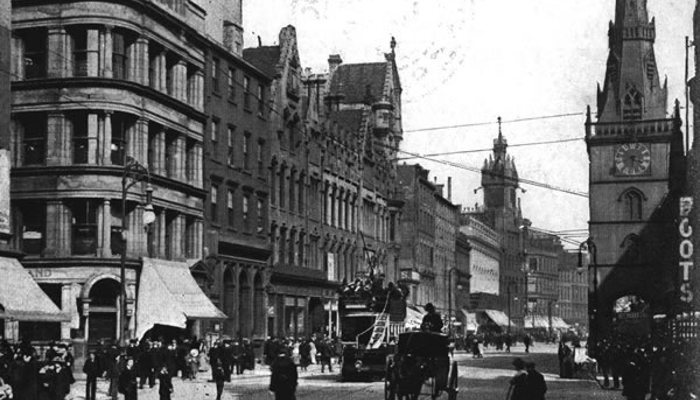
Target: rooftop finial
x,y
392,44
500,133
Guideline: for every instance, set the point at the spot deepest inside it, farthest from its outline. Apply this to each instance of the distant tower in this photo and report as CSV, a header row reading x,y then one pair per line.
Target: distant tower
x,y
636,157
499,177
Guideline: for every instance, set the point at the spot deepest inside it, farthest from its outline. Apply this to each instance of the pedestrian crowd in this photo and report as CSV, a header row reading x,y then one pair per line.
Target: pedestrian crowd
x,y
643,368
28,374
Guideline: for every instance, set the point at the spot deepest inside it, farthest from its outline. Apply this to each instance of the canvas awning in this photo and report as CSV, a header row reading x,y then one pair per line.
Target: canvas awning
x,y
21,298
470,321
499,317
169,295
540,321
559,323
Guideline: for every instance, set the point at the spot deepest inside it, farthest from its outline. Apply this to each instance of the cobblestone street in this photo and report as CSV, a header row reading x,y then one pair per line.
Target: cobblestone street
x,y
482,379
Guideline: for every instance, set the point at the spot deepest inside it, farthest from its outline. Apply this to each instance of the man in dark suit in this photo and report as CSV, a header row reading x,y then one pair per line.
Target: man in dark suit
x,y
284,377
92,370
432,321
536,386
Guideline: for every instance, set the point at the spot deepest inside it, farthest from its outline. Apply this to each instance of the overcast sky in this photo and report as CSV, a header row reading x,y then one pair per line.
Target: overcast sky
x,y
470,61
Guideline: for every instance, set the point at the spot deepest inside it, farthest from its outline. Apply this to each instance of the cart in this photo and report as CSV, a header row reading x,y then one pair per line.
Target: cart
x,y
420,366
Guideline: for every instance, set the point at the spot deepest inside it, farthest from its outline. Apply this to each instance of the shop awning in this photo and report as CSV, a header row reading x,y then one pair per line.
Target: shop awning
x,y
499,317
470,320
558,323
21,298
540,321
414,318
169,295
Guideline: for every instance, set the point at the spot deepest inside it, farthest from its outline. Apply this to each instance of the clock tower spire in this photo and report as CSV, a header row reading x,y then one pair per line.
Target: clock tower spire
x,y
635,150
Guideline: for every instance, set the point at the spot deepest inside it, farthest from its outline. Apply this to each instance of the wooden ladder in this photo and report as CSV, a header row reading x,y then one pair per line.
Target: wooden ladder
x,y
381,324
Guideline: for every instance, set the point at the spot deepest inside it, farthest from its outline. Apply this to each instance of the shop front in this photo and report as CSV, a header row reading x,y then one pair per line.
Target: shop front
x,y
25,309
296,311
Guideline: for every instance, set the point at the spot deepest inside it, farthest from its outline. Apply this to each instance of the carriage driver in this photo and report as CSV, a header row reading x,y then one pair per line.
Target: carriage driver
x,y
432,321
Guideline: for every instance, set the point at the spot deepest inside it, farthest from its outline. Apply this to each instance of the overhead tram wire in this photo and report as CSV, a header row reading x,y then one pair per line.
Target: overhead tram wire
x,y
468,125
478,170
567,140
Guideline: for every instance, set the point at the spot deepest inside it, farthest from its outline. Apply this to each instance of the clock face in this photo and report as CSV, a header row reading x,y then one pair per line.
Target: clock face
x,y
632,159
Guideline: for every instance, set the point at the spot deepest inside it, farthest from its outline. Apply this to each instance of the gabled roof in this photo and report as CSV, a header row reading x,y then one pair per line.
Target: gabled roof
x,y
355,82
265,58
348,119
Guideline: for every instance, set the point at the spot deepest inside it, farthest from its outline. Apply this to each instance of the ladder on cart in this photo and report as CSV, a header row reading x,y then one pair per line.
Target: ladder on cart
x,y
381,324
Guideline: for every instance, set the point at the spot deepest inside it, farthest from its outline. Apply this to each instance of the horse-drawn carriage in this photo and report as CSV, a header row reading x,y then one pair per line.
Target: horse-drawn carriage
x,y
421,366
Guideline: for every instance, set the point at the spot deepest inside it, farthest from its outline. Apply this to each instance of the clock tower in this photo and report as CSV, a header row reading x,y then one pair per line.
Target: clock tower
x,y
636,162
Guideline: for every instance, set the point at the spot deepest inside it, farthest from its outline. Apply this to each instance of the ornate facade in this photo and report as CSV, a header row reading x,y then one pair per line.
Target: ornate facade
x,y
329,182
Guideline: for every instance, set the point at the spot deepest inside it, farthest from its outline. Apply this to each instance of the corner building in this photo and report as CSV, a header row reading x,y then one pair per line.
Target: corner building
x,y
95,86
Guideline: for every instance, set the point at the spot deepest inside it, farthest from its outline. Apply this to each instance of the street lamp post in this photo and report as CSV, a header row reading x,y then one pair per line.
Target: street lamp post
x,y
589,244
510,284
133,173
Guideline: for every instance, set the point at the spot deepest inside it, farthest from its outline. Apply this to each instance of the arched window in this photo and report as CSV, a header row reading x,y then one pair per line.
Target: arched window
x,y
632,204
632,104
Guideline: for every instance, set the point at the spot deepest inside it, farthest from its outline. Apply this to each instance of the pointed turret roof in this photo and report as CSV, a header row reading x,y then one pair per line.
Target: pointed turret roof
x,y
632,88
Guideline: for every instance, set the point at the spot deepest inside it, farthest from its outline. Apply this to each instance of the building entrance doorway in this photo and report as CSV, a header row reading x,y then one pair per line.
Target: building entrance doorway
x,y
103,311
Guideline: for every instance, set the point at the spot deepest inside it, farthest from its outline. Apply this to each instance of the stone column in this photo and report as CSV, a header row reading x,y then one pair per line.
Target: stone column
x,y
199,90
198,239
159,232
161,72
93,138
141,45
17,59
106,52
178,236
95,42
179,158
197,165
138,141
66,299
55,141
104,229
181,81
106,144
159,152
136,243
56,59
133,69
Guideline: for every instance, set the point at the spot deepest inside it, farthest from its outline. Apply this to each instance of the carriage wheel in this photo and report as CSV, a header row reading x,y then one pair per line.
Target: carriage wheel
x,y
452,382
434,391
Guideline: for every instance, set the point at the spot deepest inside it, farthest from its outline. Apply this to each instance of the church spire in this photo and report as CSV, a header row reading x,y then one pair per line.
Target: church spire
x,y
632,88
500,145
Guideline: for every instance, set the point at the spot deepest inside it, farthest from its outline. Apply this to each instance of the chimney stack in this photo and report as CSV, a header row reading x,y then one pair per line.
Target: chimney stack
x,y
449,189
334,61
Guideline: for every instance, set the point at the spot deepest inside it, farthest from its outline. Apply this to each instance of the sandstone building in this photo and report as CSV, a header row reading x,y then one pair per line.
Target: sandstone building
x,y
330,181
